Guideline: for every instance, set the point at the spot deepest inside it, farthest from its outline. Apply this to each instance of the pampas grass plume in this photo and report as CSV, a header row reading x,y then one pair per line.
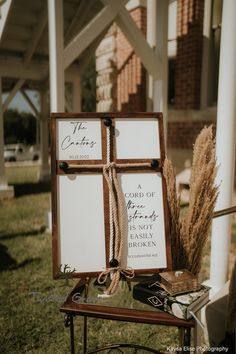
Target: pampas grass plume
x,y
189,234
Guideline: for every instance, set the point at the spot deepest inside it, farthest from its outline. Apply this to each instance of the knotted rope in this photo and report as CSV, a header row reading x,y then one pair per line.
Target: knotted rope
x,y
118,214
114,273
117,217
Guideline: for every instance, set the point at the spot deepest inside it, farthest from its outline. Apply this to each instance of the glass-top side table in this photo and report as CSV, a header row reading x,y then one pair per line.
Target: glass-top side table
x,y
87,300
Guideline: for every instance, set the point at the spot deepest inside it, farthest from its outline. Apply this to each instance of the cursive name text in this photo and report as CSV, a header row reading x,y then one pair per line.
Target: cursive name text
x,y
68,141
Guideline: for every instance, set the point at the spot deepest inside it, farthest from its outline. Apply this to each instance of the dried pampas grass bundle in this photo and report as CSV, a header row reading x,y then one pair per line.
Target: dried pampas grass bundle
x,y
174,209
190,234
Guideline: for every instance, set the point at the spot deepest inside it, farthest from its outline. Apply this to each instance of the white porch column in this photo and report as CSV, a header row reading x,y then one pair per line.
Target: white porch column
x,y
5,190
151,25
157,19
44,172
207,30
56,47
225,145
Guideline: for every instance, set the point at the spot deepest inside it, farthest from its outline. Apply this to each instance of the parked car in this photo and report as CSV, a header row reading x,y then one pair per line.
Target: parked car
x,y
20,152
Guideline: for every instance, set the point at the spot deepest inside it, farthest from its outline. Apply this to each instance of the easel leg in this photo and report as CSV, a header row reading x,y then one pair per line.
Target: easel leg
x,y
85,334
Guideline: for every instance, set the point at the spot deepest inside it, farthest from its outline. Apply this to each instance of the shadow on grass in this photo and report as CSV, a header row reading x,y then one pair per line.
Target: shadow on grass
x,y
31,188
9,236
9,263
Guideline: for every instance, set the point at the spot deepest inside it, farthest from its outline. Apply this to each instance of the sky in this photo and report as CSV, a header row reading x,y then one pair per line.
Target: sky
x,y
18,102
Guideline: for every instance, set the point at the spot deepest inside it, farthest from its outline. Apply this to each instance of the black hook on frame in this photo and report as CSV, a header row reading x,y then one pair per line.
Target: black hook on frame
x,y
108,122
154,163
63,166
113,263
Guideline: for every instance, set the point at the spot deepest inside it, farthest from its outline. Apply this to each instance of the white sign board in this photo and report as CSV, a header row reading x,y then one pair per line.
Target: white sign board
x,y
83,218
137,138
146,245
79,139
82,234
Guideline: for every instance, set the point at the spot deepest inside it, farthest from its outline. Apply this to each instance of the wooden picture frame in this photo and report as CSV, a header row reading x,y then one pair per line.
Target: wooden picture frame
x,y
82,225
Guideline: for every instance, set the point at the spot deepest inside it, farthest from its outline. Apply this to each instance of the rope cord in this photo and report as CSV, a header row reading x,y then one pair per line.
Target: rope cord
x,y
117,272
100,166
108,152
117,212
106,171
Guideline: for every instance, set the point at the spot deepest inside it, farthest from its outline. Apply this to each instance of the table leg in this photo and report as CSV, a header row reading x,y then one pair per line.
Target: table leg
x,y
85,334
185,339
69,322
198,331
72,339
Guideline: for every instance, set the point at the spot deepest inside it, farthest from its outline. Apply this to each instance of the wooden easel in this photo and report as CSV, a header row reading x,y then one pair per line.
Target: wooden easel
x,y
105,130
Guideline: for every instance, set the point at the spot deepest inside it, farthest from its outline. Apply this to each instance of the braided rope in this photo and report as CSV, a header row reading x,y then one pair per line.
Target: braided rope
x,y
121,215
108,152
115,220
118,214
117,217
116,274
100,166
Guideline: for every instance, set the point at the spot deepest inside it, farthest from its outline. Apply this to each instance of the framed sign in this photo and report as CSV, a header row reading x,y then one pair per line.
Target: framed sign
x,y
79,140
108,193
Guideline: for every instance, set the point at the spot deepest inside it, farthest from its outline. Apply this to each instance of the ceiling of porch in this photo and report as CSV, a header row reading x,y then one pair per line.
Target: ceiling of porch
x,y
24,41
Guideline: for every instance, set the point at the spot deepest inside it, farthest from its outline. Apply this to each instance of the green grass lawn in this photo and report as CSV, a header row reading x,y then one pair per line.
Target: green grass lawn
x,y
30,321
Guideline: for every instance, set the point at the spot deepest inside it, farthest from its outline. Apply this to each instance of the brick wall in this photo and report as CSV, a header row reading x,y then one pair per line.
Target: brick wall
x,y
107,72
130,87
131,78
189,54
182,135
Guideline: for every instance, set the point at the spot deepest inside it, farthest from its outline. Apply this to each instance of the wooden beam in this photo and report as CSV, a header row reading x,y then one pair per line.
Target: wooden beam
x,y
12,94
97,25
72,72
21,46
3,179
68,106
74,20
14,68
5,10
44,169
37,33
83,8
17,31
30,103
206,55
137,40
89,52
76,94
161,38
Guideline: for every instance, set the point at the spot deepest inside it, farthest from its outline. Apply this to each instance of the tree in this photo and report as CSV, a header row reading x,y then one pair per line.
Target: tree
x,y
19,127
